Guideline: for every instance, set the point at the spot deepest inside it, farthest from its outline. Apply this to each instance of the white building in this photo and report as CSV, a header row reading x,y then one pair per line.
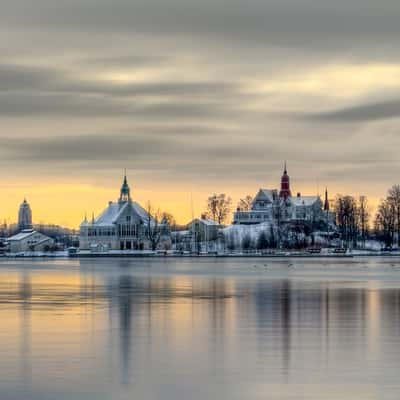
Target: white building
x,y
29,240
123,225
268,206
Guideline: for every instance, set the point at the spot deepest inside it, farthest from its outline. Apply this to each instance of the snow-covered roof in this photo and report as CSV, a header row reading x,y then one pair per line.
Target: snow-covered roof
x,y
44,240
208,221
22,235
205,221
304,200
267,194
110,215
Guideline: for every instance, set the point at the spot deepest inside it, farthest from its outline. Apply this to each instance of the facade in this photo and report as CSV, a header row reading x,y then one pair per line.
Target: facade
x,y
202,235
29,240
203,229
123,225
24,216
268,206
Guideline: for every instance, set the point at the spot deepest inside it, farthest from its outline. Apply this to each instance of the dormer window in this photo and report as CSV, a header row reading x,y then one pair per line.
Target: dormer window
x,y
128,218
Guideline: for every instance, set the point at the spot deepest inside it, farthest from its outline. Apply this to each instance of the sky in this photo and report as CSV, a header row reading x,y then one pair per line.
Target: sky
x,y
194,98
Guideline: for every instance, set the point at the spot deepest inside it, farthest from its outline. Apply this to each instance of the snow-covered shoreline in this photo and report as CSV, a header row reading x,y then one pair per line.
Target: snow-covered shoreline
x,y
255,254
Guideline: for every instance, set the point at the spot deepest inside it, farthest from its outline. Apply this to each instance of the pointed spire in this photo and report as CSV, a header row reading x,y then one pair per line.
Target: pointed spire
x,y
85,220
125,195
92,217
326,202
285,184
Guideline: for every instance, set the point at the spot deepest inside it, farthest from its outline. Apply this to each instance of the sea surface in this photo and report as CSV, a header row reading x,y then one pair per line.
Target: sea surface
x,y
200,328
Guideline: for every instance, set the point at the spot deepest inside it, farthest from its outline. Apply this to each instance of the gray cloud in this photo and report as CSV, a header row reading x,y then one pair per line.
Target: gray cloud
x,y
205,114
85,106
361,113
130,60
33,91
14,77
305,23
116,146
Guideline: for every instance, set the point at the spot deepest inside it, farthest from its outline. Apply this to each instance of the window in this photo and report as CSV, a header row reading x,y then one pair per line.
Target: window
x,y
128,218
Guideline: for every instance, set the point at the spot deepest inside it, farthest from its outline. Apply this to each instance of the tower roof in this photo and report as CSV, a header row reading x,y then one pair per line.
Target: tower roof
x,y
285,184
326,203
125,193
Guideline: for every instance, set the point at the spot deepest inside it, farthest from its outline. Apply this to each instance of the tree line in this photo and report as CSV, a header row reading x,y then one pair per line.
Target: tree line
x,y
355,223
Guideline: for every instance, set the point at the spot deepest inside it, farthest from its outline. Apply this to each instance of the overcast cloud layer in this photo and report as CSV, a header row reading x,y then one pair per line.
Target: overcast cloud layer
x,y
210,91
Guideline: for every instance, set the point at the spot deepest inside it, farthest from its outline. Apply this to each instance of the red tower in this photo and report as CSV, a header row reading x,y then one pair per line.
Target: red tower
x,y
285,185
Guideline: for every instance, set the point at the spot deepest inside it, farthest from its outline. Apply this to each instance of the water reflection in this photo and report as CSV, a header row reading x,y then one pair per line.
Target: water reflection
x,y
25,290
123,329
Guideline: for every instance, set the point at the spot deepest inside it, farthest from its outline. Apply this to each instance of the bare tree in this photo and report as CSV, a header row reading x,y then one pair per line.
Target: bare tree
x,y
363,217
262,241
272,240
385,221
153,225
346,218
218,207
394,199
169,219
279,209
231,242
246,242
246,203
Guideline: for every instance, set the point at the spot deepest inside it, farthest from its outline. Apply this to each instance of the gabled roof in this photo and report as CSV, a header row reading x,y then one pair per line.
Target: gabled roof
x,y
111,214
304,200
205,221
208,221
23,234
265,194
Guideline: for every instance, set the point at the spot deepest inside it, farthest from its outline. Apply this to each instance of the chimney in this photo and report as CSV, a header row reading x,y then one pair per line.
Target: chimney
x,y
298,194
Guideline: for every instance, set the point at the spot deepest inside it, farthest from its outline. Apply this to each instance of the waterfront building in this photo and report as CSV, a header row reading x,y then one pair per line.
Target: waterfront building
x,y
123,225
269,205
29,240
24,216
204,229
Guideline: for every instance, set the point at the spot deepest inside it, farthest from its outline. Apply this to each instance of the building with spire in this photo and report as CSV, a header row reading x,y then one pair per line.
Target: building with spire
x,y
285,185
24,216
123,225
269,205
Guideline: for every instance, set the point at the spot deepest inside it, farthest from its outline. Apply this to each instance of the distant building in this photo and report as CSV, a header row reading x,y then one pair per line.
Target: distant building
x,y
269,206
202,234
3,245
24,216
203,229
29,240
123,225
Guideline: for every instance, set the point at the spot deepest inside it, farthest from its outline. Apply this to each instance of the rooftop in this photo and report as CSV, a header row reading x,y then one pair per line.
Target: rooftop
x,y
22,235
110,215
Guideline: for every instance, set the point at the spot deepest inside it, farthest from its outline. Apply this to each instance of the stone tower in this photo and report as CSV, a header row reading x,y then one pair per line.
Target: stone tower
x,y
24,216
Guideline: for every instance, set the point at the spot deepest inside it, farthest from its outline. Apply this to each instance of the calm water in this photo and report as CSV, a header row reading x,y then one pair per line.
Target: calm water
x,y
200,329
